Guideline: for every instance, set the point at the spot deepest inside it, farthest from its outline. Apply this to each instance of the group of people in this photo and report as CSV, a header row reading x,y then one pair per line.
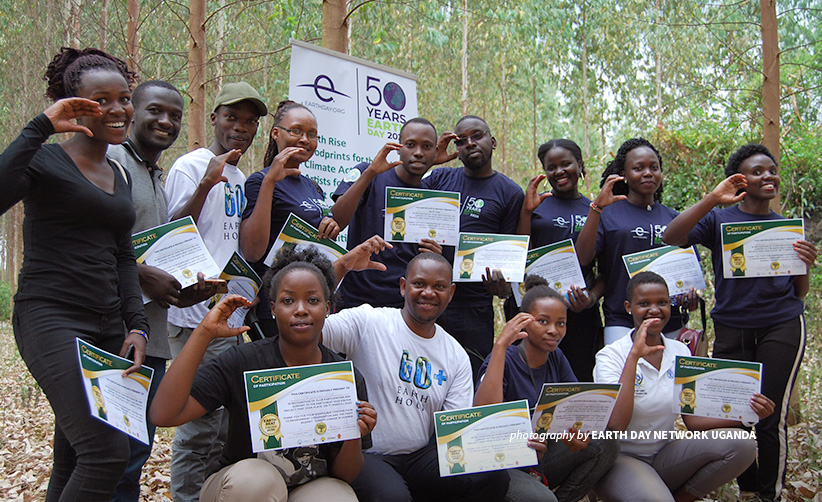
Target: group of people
x,y
419,342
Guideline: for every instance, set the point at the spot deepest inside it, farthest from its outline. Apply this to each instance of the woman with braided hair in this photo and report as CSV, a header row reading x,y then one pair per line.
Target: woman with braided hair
x,y
627,217
279,189
79,278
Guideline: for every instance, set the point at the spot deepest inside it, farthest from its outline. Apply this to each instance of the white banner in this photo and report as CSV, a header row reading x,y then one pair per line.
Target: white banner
x,y
359,107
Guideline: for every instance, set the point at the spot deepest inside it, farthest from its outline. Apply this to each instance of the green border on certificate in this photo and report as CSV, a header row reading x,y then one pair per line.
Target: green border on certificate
x,y
242,280
412,214
301,405
484,438
116,400
716,388
762,248
475,252
678,266
297,233
582,406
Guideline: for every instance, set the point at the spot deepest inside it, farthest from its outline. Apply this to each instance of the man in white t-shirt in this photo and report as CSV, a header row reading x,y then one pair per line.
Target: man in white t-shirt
x,y
207,185
412,368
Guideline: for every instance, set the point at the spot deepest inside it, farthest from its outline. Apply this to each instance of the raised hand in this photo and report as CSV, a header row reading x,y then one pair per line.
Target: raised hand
x,y
62,112
640,348
380,163
725,192
514,329
442,148
278,170
214,171
215,322
495,283
532,196
606,196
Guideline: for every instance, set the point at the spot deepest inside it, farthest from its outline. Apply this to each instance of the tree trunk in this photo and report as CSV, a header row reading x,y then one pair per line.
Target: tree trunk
x,y
504,96
132,37
658,58
103,24
770,83
464,100
335,25
196,74
220,43
586,119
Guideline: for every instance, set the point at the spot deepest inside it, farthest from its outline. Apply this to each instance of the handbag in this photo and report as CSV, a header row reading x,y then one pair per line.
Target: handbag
x,y
695,338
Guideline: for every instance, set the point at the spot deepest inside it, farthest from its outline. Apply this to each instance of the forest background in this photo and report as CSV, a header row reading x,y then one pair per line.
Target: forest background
x,y
697,77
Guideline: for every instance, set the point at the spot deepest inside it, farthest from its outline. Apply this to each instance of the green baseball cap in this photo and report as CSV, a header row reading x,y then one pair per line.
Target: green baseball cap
x,y
240,91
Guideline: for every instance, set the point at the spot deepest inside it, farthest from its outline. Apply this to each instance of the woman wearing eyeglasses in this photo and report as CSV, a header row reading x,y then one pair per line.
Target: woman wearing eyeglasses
x,y
280,189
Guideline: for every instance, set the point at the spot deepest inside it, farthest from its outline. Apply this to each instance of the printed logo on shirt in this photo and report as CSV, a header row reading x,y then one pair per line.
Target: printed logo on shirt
x,y
639,390
351,175
417,372
234,199
670,374
658,231
653,233
579,222
473,207
560,222
312,205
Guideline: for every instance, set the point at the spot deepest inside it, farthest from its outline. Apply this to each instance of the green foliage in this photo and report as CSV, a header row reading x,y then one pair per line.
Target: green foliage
x,y
6,303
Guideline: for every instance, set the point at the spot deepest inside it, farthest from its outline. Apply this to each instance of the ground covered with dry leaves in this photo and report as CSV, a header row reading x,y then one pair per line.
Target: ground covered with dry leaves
x,y
26,428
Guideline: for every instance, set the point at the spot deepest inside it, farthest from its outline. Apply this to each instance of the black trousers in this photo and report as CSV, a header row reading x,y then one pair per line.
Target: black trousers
x,y
89,455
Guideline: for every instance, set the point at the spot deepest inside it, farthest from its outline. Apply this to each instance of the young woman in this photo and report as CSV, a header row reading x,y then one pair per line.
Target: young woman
x,y
513,372
300,289
626,217
755,319
643,362
79,277
555,216
279,189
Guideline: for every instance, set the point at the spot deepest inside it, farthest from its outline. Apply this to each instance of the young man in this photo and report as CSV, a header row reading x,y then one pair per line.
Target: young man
x,y
412,368
360,200
155,125
207,185
491,204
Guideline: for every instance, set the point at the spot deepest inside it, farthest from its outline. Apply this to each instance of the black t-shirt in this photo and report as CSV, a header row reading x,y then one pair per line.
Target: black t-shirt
x,y
220,382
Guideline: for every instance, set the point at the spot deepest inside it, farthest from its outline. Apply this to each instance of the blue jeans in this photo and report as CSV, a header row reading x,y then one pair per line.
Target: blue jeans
x,y
89,455
128,489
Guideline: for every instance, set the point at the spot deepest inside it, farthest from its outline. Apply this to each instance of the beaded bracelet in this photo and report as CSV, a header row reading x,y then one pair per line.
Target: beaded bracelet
x,y
140,332
596,208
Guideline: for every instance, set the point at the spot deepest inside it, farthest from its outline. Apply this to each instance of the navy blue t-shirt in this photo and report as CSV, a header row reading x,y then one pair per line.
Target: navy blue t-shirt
x,y
624,229
557,219
293,194
745,302
516,378
489,206
375,287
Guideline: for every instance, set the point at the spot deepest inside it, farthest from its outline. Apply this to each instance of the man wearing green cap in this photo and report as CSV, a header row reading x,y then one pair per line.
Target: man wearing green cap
x,y
207,185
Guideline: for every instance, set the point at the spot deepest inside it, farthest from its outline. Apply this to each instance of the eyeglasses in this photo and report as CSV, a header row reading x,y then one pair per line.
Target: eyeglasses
x,y
298,133
460,142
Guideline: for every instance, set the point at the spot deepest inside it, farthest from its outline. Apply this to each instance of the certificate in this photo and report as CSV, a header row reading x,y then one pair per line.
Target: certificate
x,y
299,233
242,280
118,401
412,214
557,263
301,405
762,248
580,406
175,248
484,438
717,388
475,252
678,266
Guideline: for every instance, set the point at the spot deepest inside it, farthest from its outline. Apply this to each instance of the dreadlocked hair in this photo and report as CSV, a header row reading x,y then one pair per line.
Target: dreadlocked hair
x,y
282,109
309,259
617,166
566,144
744,153
68,66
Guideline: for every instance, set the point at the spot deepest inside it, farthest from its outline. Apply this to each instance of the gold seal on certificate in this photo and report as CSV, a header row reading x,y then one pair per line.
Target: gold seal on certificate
x,y
432,233
577,425
398,226
687,398
98,399
726,408
545,420
775,266
466,267
320,428
737,262
270,426
456,456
